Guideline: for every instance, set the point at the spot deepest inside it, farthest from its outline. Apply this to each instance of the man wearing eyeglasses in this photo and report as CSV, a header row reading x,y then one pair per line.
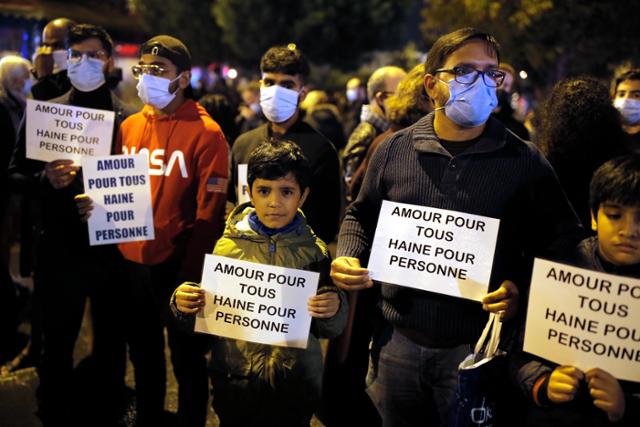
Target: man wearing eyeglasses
x,y
67,269
188,168
459,159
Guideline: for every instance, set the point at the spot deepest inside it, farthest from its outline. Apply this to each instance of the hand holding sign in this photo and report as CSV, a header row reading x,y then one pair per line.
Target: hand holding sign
x,y
324,306
563,384
503,301
606,393
61,173
84,205
189,298
348,275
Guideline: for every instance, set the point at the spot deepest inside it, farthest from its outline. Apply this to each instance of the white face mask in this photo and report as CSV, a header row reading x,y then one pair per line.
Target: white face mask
x,y
59,60
629,110
154,90
86,75
278,104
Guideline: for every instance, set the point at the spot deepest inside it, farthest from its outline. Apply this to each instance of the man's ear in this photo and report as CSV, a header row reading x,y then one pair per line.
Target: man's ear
x,y
305,193
109,66
303,94
594,223
185,79
430,85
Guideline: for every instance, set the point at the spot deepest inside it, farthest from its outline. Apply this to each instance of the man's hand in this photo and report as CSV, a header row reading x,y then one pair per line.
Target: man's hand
x,y
504,300
85,206
43,62
324,306
606,393
348,275
189,298
564,383
61,173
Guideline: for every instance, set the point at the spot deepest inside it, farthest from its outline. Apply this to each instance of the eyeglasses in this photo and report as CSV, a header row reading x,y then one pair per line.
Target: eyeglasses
x,y
468,75
76,56
152,69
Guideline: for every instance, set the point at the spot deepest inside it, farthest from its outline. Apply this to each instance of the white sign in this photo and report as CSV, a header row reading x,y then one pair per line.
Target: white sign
x,y
256,302
585,319
57,131
435,250
121,194
242,189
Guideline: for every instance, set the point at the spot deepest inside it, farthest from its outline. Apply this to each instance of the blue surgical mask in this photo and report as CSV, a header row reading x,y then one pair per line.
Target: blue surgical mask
x,y
629,110
87,74
352,95
278,104
469,105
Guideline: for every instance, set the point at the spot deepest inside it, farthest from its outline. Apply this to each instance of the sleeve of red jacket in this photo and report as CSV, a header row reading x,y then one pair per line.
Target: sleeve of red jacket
x,y
212,175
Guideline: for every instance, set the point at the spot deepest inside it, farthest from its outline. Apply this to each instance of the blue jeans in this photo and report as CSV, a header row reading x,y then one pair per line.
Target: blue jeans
x,y
411,384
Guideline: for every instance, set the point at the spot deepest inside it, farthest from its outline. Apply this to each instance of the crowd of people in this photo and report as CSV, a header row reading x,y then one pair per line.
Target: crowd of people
x,y
276,172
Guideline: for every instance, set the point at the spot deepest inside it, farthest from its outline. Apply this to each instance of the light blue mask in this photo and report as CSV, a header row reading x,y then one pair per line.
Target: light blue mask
x,y
469,105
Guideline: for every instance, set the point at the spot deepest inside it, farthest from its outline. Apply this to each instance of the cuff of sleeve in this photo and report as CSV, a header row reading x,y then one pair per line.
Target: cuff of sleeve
x,y
540,390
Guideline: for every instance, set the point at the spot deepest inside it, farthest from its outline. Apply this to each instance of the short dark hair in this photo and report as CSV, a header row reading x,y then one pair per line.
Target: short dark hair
x,y
286,60
81,32
616,181
274,159
449,43
632,74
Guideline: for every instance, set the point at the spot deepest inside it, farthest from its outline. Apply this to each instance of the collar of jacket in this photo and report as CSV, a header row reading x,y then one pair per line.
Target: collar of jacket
x,y
493,138
239,226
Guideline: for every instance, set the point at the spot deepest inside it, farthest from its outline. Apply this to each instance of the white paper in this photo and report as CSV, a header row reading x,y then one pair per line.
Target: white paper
x,y
435,250
584,318
57,131
121,193
256,302
242,190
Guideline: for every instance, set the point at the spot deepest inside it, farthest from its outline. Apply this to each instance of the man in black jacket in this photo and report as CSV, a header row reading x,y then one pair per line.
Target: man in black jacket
x,y
284,73
68,270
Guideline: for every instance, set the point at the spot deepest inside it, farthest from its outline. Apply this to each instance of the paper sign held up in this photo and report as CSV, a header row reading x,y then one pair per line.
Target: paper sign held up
x,y
58,131
584,318
432,249
121,194
256,302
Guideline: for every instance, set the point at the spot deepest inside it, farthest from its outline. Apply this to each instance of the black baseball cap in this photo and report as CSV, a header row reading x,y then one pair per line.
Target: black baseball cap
x,y
170,48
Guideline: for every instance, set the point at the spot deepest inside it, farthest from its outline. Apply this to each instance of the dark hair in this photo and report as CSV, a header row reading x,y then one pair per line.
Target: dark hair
x,y
449,43
274,159
221,110
632,74
81,32
617,181
579,130
286,60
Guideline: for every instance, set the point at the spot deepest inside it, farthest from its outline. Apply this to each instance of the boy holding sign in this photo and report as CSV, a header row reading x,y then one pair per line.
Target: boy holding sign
x,y
257,383
595,397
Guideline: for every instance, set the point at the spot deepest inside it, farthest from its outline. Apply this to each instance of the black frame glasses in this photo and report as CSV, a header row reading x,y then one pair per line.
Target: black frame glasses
x,y
469,75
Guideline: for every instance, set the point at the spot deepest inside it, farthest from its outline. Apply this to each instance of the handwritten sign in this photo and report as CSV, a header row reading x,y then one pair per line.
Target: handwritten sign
x,y
57,131
436,250
585,319
242,189
256,302
121,194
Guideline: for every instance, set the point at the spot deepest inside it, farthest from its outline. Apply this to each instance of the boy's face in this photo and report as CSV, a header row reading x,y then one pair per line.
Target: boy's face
x,y
618,228
277,200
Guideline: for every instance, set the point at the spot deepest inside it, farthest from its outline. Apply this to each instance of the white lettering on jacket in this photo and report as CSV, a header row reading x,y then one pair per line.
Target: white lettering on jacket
x,y
157,165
